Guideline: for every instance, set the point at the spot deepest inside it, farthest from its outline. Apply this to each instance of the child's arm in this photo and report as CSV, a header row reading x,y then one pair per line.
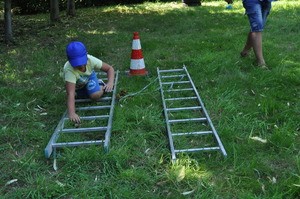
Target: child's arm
x,y
110,75
70,88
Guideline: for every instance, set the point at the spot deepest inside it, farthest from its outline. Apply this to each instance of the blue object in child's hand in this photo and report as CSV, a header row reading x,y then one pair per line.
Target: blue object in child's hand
x,y
229,7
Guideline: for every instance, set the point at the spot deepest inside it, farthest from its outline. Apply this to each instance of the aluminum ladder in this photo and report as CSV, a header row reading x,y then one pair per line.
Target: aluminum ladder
x,y
189,126
91,117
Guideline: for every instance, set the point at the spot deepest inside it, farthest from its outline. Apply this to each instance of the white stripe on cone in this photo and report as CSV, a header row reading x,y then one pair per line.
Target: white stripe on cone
x,y
136,45
136,64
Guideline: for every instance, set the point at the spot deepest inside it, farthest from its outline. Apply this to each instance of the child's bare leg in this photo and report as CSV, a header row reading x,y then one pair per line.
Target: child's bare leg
x,y
257,47
246,51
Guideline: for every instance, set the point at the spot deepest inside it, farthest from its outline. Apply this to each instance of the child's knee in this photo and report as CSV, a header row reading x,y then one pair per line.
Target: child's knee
x,y
96,95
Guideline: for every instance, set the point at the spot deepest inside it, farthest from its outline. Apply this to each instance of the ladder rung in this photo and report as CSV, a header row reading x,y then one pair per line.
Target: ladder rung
x,y
101,73
92,107
197,149
188,120
91,117
179,82
89,100
63,144
172,70
170,76
94,117
180,98
176,90
193,133
82,130
183,108
104,73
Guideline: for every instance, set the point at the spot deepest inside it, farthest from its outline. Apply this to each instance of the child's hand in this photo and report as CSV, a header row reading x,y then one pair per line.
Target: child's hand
x,y
108,87
75,118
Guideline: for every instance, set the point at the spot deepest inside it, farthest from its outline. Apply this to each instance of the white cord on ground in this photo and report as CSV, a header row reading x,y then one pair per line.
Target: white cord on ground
x,y
139,90
171,86
147,87
54,165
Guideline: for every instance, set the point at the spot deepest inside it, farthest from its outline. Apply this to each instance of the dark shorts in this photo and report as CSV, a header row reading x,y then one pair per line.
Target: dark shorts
x,y
257,12
91,87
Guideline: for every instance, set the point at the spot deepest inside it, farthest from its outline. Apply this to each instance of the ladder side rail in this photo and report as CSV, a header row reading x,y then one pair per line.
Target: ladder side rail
x,y
49,149
166,117
111,112
206,114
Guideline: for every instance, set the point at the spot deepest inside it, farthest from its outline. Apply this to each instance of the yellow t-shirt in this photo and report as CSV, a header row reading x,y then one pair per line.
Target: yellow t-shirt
x,y
77,77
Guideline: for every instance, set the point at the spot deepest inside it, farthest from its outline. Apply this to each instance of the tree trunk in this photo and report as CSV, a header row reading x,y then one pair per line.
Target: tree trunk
x,y
191,2
54,10
8,36
71,8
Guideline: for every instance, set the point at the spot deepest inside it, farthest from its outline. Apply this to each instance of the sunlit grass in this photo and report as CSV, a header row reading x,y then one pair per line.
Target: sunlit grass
x,y
145,8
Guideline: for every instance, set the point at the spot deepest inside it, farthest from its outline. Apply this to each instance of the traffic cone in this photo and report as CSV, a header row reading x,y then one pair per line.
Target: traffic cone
x,y
137,64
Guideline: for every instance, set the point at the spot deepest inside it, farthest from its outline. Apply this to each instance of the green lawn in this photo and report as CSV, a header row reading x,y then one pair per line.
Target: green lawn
x,y
243,101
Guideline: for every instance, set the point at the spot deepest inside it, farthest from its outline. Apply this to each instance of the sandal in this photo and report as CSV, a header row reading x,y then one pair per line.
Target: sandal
x,y
245,54
263,66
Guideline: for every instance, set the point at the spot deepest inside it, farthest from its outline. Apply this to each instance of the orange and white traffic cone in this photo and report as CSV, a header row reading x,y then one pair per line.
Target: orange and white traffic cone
x,y
137,64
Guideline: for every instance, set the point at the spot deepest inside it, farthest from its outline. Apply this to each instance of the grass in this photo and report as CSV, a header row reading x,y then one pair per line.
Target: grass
x,y
242,100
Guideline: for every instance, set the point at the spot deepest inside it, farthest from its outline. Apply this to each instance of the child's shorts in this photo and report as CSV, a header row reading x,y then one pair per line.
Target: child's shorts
x,y
91,87
257,11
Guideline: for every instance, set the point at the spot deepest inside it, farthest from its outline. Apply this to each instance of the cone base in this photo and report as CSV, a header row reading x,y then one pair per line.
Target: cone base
x,y
138,72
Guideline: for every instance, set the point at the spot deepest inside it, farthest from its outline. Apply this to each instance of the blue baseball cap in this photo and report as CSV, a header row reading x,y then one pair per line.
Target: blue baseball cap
x,y
76,53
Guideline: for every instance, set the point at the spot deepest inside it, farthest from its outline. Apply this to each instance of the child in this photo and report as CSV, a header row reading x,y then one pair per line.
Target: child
x,y
80,77
257,11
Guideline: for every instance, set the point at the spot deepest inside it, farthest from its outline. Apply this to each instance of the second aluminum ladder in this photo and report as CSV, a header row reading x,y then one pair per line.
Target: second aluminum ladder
x,y
189,126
